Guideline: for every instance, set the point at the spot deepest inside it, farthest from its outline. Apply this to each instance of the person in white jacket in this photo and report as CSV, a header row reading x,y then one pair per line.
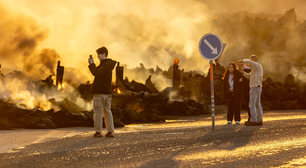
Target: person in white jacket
x,y
255,77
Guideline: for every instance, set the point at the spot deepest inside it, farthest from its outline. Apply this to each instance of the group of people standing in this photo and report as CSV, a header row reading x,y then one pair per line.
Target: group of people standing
x,y
244,83
239,83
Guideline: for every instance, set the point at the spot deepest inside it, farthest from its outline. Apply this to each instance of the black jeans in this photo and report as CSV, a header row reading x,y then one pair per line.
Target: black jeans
x,y
233,107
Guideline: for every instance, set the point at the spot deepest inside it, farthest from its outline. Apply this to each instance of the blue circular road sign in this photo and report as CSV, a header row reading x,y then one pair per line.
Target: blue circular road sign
x,y
210,46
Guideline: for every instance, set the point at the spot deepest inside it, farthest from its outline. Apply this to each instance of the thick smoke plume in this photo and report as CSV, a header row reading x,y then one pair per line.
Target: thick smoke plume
x,y
35,35
278,43
21,34
148,32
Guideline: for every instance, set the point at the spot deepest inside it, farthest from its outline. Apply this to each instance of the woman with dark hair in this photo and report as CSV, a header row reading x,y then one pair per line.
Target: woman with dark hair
x,y
232,90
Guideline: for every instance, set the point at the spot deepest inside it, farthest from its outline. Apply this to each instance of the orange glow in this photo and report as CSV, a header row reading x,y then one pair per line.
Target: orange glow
x,y
118,91
216,17
194,98
61,86
176,61
54,80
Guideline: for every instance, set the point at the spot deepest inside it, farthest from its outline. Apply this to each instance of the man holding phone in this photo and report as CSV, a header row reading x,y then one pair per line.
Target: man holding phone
x,y
102,89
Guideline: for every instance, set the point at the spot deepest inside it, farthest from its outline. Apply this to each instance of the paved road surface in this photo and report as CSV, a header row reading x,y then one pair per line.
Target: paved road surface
x,y
281,142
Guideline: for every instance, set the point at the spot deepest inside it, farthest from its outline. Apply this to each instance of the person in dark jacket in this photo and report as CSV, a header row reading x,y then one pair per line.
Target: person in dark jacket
x,y
102,89
232,89
246,88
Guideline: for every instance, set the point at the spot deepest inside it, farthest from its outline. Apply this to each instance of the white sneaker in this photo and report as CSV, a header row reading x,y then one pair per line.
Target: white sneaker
x,y
237,122
229,122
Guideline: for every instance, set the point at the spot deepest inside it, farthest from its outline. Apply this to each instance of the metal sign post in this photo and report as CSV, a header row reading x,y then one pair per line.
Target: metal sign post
x,y
211,48
212,93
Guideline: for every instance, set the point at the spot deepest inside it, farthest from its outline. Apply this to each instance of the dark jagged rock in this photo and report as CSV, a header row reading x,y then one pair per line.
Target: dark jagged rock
x,y
152,116
138,87
84,90
289,80
185,108
66,119
34,123
23,118
156,103
134,86
289,19
279,96
218,71
131,116
48,81
158,70
5,124
11,112
150,85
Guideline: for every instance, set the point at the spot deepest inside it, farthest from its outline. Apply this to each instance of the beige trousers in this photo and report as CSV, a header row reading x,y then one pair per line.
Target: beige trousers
x,y
102,108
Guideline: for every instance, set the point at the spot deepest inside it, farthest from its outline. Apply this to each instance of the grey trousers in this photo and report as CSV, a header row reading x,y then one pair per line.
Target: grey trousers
x,y
102,108
255,105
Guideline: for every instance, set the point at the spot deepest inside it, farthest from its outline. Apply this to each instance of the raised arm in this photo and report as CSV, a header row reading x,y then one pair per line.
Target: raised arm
x,y
98,71
252,64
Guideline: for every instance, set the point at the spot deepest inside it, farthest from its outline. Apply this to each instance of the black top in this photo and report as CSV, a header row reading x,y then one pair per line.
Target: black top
x,y
246,83
103,76
237,84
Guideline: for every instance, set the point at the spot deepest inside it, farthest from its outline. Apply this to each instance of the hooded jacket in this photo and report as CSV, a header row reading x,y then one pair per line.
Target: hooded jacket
x,y
103,76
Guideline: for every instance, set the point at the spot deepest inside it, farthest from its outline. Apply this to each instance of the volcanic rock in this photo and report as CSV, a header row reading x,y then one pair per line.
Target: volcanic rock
x,y
15,117
189,107
64,118
135,86
218,71
85,91
279,96
150,85
5,124
289,80
131,116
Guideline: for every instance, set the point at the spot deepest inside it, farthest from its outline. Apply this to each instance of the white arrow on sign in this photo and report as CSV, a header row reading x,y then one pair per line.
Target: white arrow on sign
x,y
214,50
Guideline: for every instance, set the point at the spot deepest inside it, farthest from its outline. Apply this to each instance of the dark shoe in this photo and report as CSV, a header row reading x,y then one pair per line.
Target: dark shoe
x,y
260,124
251,123
247,121
97,134
110,135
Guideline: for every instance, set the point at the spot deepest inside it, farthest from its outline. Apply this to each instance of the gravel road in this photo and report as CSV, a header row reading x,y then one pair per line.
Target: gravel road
x,y
184,142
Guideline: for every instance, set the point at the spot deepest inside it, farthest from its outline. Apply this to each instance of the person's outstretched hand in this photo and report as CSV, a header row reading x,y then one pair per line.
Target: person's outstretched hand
x,y
91,61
